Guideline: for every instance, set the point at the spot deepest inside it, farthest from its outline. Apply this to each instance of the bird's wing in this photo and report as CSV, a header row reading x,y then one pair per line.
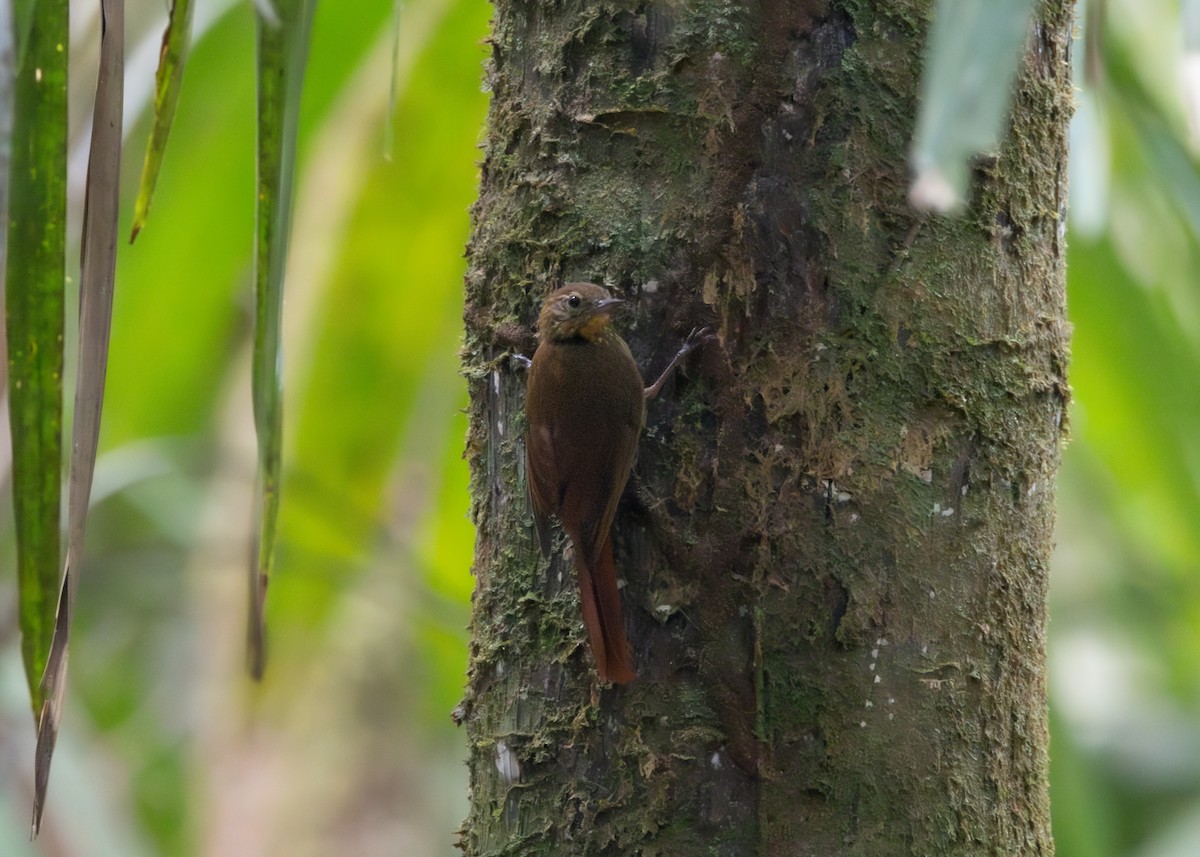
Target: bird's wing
x,y
541,475
621,454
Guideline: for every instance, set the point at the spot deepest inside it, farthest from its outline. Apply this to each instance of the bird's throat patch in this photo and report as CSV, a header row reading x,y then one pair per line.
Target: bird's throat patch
x,y
593,327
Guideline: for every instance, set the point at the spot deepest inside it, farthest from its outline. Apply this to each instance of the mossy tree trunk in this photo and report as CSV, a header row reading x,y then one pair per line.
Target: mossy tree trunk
x,y
835,543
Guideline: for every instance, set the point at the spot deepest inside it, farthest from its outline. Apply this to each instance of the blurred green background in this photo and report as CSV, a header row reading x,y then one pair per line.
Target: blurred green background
x,y
348,747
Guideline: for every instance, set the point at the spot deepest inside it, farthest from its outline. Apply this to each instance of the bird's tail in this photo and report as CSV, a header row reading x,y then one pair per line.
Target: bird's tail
x,y
601,603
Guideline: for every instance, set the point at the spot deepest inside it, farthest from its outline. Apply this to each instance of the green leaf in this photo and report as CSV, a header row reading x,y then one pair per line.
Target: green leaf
x,y
35,271
167,82
974,50
22,21
8,70
99,252
383,337
282,54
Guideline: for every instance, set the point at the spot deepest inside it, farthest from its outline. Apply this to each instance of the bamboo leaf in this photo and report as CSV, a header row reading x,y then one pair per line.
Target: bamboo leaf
x,y
282,54
35,270
974,51
167,82
99,252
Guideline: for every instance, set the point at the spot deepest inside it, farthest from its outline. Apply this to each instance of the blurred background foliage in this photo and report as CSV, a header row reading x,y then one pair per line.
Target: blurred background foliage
x,y
348,747
1125,608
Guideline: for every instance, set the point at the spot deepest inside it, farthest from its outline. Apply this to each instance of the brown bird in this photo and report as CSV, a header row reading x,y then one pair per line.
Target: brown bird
x,y
585,408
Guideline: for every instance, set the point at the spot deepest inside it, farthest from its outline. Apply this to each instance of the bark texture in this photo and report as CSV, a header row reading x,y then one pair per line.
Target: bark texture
x,y
835,544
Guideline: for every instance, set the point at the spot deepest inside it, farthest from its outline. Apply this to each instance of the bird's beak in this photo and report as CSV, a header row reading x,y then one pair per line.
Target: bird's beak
x,y
608,305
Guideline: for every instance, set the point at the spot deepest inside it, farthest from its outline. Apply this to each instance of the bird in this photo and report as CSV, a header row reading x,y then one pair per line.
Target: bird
x,y
585,408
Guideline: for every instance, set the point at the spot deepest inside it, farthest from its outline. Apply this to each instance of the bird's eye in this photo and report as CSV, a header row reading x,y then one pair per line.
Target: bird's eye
x,y
573,301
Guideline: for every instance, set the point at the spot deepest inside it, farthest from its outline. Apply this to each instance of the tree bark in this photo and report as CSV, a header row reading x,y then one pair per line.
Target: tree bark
x,y
835,545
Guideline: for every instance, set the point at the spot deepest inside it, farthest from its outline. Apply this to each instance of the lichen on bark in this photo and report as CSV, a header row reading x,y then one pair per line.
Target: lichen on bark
x,y
835,545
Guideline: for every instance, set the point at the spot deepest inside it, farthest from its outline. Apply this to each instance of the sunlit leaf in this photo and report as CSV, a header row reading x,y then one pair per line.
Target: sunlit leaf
x,y
98,266
1120,384
974,50
282,55
34,300
167,82
384,336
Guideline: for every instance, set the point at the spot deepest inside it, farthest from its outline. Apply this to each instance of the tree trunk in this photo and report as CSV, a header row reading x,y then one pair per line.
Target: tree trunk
x,y
836,541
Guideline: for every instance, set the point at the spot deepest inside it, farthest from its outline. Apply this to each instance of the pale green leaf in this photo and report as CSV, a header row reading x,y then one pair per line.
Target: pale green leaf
x,y
167,82
974,50
282,56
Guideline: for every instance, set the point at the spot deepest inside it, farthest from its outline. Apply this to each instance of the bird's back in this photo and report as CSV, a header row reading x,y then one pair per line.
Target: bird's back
x,y
585,408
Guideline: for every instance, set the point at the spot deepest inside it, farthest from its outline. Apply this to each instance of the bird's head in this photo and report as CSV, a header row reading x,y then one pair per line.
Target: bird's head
x,y
577,311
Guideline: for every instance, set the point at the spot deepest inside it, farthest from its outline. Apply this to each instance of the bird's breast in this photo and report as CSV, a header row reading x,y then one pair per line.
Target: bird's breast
x,y
587,386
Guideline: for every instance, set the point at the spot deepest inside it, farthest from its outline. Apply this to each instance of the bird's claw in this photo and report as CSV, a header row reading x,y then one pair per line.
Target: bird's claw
x,y
699,336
